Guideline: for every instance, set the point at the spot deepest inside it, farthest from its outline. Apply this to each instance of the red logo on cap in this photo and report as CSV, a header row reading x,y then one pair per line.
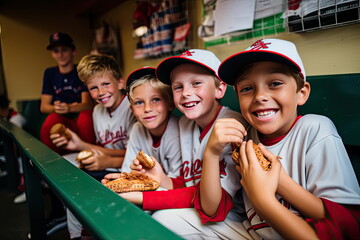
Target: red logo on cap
x,y
56,36
186,54
259,45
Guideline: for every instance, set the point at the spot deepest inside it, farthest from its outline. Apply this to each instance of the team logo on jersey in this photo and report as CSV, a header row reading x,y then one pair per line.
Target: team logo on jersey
x,y
187,54
259,45
112,137
192,171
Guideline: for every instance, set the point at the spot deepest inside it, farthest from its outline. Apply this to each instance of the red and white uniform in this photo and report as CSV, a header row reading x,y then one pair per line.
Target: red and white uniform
x,y
180,215
166,151
193,141
112,129
313,154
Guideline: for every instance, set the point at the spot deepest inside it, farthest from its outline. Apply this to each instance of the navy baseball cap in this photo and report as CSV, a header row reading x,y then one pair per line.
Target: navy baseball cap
x,y
59,38
139,73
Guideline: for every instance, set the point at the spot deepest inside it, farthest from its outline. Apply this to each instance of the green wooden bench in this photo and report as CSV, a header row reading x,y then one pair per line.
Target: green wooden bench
x,y
102,212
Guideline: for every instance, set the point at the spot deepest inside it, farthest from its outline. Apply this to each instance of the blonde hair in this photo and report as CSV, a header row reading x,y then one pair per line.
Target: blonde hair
x,y
164,89
98,64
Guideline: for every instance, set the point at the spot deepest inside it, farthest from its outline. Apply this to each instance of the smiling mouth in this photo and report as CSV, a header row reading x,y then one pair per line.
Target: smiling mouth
x,y
190,104
265,114
149,118
104,100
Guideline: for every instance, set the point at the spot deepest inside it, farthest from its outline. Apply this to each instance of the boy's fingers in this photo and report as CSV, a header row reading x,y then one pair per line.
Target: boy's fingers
x,y
103,181
88,161
243,163
231,122
250,152
112,176
55,135
267,154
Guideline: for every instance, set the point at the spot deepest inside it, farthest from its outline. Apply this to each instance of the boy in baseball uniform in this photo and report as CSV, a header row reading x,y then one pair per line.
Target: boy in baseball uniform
x,y
197,92
311,190
157,131
113,121
112,116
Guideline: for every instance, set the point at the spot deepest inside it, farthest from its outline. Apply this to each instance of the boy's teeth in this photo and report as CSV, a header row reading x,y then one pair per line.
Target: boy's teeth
x,y
190,104
265,114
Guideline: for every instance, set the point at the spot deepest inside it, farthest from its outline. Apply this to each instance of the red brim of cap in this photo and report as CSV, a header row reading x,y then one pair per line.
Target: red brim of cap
x,y
230,68
139,73
164,69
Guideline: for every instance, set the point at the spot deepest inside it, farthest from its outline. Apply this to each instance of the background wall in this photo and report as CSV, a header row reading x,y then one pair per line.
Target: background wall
x,y
122,16
326,52
332,51
25,31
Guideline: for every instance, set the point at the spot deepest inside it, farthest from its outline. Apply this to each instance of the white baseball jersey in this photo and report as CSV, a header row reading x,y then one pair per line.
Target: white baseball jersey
x,y
167,152
313,154
112,129
193,144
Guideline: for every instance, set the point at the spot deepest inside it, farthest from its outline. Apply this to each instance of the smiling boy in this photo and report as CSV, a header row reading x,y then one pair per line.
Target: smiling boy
x,y
311,190
157,129
113,121
63,95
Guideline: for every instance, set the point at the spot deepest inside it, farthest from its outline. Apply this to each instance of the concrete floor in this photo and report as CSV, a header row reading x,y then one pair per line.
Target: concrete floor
x,y
14,219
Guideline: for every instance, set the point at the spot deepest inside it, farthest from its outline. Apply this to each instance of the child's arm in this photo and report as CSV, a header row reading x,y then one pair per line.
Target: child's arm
x,y
224,132
101,161
305,202
62,108
260,187
77,144
45,105
85,104
74,144
157,200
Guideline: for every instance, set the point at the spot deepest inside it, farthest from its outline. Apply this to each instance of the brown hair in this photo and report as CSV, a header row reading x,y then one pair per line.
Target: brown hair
x,y
96,64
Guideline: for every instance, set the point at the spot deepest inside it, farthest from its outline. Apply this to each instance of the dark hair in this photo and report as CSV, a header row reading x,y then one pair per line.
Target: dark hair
x,y
4,101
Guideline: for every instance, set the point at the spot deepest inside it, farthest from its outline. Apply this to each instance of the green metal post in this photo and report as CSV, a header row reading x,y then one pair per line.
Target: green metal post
x,y
34,199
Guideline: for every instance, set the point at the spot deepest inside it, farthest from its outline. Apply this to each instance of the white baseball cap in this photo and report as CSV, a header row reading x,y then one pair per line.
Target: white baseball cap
x,y
203,58
273,50
139,73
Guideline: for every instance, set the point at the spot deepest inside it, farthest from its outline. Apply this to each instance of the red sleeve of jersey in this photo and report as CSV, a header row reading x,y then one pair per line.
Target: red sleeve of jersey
x,y
341,222
178,182
224,208
176,198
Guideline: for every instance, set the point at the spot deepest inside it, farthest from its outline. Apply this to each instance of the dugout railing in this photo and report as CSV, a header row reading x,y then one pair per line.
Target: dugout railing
x,y
104,214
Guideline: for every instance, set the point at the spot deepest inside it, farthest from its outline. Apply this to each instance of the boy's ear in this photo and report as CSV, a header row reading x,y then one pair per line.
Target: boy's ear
x,y
121,84
304,93
220,90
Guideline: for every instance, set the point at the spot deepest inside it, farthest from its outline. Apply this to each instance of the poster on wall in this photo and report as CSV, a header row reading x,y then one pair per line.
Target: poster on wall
x,y
106,41
241,12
